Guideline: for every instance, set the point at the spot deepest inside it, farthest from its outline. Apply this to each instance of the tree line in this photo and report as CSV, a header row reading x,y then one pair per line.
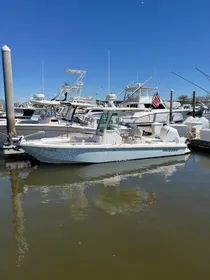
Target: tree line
x,y
185,99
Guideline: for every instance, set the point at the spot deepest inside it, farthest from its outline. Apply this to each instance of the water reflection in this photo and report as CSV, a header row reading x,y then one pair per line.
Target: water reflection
x,y
77,202
113,200
84,187
48,175
102,183
204,162
21,243
106,218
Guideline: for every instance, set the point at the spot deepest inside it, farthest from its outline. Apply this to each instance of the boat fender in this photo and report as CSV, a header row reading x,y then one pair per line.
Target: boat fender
x,y
192,134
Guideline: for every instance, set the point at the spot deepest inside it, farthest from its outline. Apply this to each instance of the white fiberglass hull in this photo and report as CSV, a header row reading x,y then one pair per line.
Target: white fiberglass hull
x,y
98,153
50,130
156,115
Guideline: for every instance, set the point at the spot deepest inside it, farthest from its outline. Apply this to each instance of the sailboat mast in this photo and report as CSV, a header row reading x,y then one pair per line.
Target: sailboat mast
x,y
42,77
109,72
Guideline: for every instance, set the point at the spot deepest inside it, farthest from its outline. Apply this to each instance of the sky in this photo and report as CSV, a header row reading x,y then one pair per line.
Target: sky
x,y
144,38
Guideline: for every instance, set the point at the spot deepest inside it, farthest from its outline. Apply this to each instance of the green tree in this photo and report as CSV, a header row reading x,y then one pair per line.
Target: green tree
x,y
184,99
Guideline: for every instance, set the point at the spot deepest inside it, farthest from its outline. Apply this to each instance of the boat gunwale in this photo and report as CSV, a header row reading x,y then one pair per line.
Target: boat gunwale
x,y
88,145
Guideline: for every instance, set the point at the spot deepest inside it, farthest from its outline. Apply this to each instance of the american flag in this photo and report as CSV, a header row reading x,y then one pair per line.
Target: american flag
x,y
156,100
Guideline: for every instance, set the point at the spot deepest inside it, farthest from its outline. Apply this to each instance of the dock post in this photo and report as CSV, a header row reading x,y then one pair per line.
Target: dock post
x,y
193,103
8,93
171,106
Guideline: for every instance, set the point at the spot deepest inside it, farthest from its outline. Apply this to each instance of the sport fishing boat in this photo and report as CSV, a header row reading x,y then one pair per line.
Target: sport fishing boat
x,y
53,121
55,117
109,144
153,108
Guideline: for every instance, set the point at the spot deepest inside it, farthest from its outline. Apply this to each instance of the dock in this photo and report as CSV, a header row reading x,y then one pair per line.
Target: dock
x,y
14,153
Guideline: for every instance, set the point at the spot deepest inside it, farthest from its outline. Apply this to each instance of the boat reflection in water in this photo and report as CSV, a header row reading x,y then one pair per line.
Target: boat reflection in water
x,y
85,188
58,175
103,184
115,200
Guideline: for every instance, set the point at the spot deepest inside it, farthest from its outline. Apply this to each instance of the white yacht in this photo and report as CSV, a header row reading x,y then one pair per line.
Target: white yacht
x,y
108,144
138,96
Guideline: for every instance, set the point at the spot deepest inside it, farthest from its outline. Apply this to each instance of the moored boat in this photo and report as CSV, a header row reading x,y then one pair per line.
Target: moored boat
x,y
109,144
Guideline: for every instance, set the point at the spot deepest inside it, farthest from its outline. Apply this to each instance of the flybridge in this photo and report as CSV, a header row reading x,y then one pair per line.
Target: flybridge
x,y
137,93
136,88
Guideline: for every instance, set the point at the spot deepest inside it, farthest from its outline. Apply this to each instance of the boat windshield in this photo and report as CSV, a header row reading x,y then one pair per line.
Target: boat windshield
x,y
102,123
112,124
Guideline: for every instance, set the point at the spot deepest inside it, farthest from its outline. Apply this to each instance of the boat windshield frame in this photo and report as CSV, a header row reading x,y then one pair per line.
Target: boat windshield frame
x,y
108,121
102,123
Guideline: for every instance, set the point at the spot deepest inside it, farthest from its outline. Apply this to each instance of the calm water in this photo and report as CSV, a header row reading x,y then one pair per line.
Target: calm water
x,y
134,220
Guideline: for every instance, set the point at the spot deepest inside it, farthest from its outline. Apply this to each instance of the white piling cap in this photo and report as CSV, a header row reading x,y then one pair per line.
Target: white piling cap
x,y
5,49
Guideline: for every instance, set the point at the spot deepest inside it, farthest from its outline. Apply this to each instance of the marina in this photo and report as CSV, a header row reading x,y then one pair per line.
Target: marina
x,y
79,130
110,141
104,140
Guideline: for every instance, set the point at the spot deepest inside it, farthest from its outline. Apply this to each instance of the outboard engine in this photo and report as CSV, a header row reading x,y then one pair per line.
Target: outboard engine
x,y
169,134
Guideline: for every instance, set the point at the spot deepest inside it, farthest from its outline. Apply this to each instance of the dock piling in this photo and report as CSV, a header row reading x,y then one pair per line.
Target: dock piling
x,y
171,106
8,93
193,103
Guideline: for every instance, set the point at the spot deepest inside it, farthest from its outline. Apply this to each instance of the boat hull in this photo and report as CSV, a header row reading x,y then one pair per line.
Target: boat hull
x,y
63,155
156,115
